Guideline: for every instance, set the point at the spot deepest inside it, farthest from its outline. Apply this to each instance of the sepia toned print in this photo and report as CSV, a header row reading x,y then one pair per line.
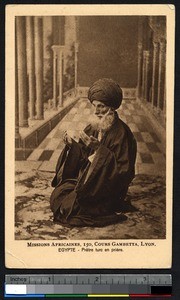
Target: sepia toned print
x,y
77,188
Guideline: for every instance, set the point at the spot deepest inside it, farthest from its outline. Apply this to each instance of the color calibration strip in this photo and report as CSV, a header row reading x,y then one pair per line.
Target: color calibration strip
x,y
88,286
88,296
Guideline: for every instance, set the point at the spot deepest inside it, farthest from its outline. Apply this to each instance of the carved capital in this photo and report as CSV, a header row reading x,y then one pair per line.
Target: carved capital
x,y
140,51
163,45
147,57
146,53
155,46
158,25
140,46
57,50
76,47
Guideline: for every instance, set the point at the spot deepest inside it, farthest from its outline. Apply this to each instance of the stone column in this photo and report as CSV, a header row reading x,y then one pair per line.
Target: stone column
x,y
17,135
161,77
31,65
48,58
147,77
60,50
140,63
164,105
155,73
58,55
143,75
55,57
146,85
38,32
60,77
75,65
22,71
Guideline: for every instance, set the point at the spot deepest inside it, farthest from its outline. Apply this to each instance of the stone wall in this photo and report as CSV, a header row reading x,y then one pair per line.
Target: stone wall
x,y
108,48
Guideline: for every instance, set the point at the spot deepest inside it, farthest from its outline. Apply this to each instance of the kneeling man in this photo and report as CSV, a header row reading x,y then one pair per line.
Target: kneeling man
x,y
93,175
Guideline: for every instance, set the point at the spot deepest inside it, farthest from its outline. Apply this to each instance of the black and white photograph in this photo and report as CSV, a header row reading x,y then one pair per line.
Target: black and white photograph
x,y
90,124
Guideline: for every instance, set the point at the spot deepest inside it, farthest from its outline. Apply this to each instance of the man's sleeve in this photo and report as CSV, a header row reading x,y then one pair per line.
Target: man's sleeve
x,y
111,170
69,163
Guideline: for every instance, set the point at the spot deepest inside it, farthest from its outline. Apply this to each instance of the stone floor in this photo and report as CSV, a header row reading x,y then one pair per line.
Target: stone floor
x,y
33,177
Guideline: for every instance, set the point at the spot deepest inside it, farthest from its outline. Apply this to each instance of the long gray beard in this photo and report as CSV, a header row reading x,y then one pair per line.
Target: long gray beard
x,y
102,124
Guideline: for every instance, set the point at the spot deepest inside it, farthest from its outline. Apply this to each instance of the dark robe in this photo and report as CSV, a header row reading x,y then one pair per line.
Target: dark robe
x,y
90,194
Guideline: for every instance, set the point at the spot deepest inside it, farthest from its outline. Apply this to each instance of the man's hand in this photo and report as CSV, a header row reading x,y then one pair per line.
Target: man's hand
x,y
89,141
67,139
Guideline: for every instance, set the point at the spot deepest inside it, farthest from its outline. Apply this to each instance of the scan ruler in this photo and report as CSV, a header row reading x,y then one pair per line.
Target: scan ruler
x,y
88,285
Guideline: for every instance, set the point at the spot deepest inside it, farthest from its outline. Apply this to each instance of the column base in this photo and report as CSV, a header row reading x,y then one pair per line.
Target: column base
x,y
25,124
60,104
17,134
54,104
17,141
22,154
39,118
155,120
